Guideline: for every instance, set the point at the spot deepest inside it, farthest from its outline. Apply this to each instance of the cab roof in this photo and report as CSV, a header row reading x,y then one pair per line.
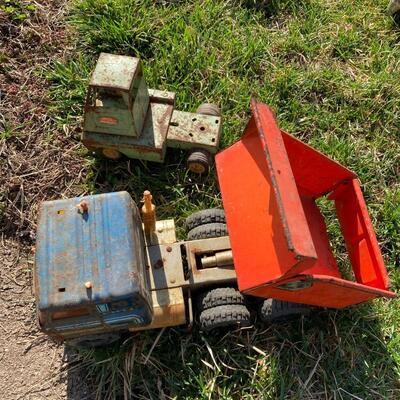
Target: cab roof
x,y
115,71
103,246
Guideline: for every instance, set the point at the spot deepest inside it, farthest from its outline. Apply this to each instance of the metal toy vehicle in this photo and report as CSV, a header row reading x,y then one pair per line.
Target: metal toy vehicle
x,y
101,269
123,116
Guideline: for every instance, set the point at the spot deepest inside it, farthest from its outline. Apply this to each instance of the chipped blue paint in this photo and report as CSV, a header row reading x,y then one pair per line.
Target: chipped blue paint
x,y
103,246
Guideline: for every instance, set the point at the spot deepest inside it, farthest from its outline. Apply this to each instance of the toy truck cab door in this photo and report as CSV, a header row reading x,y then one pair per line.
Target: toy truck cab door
x,y
108,111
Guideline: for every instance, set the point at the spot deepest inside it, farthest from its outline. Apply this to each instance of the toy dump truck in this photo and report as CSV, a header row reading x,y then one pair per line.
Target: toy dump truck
x,y
101,269
123,116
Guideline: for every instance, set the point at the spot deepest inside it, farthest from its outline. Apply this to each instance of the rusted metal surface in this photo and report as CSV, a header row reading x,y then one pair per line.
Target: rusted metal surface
x,y
189,131
163,234
101,243
162,97
165,267
168,309
151,145
199,276
219,259
118,98
92,275
121,113
115,71
281,233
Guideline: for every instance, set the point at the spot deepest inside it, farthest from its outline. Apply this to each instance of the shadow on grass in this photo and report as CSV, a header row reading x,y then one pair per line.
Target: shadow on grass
x,y
339,355
273,8
176,191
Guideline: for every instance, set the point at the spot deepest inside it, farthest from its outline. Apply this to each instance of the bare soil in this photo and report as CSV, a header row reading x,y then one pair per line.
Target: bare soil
x,y
38,161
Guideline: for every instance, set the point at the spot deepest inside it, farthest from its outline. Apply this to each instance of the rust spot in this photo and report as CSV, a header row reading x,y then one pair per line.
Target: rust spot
x,y
158,264
83,207
134,275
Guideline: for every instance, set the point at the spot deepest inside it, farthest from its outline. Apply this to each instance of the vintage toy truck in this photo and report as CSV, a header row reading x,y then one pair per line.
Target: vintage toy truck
x,y
123,116
101,269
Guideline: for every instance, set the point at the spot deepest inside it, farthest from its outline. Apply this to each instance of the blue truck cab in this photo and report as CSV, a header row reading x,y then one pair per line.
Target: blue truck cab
x,y
90,280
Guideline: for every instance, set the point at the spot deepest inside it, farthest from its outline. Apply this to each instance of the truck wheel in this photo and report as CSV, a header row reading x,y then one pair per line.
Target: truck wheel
x,y
199,161
111,154
219,297
89,341
273,310
209,109
208,231
209,216
227,316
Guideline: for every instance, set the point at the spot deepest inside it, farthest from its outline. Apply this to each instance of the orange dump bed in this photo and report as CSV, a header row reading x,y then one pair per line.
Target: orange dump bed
x,y
269,182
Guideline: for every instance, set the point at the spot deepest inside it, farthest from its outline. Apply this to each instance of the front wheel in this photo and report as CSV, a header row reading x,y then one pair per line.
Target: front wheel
x,y
112,154
199,161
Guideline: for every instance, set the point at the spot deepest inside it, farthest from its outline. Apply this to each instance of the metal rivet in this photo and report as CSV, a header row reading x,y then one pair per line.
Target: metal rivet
x,y
169,249
82,207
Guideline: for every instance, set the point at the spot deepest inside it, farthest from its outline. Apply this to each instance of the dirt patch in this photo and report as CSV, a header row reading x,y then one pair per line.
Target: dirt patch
x,y
31,365
38,161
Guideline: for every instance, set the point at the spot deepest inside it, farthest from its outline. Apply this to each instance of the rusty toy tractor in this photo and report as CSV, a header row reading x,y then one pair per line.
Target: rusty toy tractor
x,y
101,269
123,116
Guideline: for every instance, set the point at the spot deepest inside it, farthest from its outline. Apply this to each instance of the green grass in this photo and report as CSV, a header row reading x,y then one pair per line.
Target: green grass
x,y
330,71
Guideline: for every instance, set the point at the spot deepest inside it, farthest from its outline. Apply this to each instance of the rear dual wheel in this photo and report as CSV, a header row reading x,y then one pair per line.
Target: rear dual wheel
x,y
206,224
222,307
276,311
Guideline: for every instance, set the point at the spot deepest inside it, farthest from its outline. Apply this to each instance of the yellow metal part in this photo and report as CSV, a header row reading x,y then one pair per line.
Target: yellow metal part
x,y
196,167
148,214
168,309
112,154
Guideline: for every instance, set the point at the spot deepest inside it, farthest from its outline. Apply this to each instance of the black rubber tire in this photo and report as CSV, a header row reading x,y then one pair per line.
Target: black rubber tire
x,y
219,297
208,216
91,341
228,316
208,231
273,310
199,161
209,109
